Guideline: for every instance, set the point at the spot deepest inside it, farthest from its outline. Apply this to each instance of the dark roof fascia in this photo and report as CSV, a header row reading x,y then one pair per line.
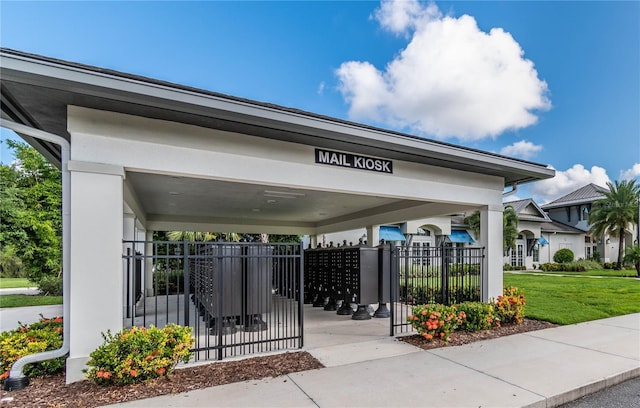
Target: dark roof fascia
x,y
560,227
520,205
104,83
532,218
571,203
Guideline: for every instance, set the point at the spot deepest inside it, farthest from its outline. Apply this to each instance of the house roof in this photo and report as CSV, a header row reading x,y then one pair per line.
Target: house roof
x,y
528,210
555,226
583,195
36,91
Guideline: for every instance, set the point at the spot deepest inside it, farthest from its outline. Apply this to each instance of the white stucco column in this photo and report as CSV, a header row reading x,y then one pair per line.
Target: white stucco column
x,y
373,235
96,259
491,239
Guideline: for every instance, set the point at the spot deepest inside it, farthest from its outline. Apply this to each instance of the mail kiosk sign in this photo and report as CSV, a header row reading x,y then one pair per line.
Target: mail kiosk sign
x,y
353,161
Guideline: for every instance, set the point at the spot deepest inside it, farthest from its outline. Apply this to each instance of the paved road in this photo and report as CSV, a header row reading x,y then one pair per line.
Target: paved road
x,y
623,395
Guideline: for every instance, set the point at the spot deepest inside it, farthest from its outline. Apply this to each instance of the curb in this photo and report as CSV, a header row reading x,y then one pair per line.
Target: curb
x,y
593,387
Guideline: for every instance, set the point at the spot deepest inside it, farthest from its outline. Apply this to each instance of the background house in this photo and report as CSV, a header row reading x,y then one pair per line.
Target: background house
x,y
542,231
573,210
531,219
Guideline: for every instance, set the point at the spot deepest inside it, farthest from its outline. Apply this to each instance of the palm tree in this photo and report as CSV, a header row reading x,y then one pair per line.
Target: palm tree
x,y
202,236
473,221
191,236
632,256
509,226
615,211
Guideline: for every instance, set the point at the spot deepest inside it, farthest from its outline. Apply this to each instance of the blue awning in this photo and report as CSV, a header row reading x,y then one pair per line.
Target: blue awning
x,y
391,234
460,236
542,241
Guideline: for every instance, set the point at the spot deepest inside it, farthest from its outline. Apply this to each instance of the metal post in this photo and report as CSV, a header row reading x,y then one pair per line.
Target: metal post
x,y
186,280
393,271
301,296
218,317
128,282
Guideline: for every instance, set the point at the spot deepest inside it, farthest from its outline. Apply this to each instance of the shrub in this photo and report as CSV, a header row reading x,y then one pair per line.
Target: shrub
x,y
138,354
435,320
509,308
464,269
577,266
507,267
547,267
563,255
588,264
45,335
478,316
10,263
169,282
50,285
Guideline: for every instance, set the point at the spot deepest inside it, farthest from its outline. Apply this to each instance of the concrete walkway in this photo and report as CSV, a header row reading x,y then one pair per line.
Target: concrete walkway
x,y
11,317
541,369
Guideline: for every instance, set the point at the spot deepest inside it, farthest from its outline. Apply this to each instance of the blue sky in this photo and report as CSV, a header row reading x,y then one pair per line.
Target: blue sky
x,y
556,83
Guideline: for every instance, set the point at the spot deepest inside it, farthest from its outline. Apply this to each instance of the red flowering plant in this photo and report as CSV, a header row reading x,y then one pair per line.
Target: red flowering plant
x,y
509,308
436,321
44,335
139,354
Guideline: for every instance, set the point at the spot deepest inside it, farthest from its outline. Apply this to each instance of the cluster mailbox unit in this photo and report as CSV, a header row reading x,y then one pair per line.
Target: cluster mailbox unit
x,y
352,274
233,285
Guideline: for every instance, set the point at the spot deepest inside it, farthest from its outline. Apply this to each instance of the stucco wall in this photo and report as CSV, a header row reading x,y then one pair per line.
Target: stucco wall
x,y
106,145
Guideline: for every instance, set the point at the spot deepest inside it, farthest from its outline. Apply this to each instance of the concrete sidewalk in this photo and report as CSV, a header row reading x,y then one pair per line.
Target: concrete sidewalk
x,y
537,369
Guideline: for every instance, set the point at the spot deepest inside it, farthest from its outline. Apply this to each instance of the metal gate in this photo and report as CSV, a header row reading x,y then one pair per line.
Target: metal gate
x,y
442,274
239,298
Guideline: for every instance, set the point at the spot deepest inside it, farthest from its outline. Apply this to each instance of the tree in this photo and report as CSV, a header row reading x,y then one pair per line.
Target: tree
x,y
509,226
31,212
615,211
11,234
201,236
632,256
473,221
191,236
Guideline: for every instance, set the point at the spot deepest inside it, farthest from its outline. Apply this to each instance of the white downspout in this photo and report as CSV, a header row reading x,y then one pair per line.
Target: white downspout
x,y
514,189
17,380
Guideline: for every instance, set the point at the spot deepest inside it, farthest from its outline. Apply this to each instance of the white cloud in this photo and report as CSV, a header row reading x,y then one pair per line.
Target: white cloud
x,y
321,88
522,149
451,80
567,181
400,16
631,173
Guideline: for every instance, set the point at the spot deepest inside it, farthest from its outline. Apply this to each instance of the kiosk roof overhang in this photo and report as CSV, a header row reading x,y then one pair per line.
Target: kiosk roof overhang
x,y
36,91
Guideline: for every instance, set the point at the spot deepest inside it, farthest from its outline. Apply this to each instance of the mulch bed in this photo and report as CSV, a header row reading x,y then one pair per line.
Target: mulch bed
x,y
460,338
52,391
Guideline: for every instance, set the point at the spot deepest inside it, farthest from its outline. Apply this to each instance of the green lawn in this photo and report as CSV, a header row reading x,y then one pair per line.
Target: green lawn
x,y
10,283
28,300
568,300
625,273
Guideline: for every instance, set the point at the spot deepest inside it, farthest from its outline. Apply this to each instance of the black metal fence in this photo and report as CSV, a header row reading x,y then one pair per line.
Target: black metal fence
x,y
441,274
239,298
